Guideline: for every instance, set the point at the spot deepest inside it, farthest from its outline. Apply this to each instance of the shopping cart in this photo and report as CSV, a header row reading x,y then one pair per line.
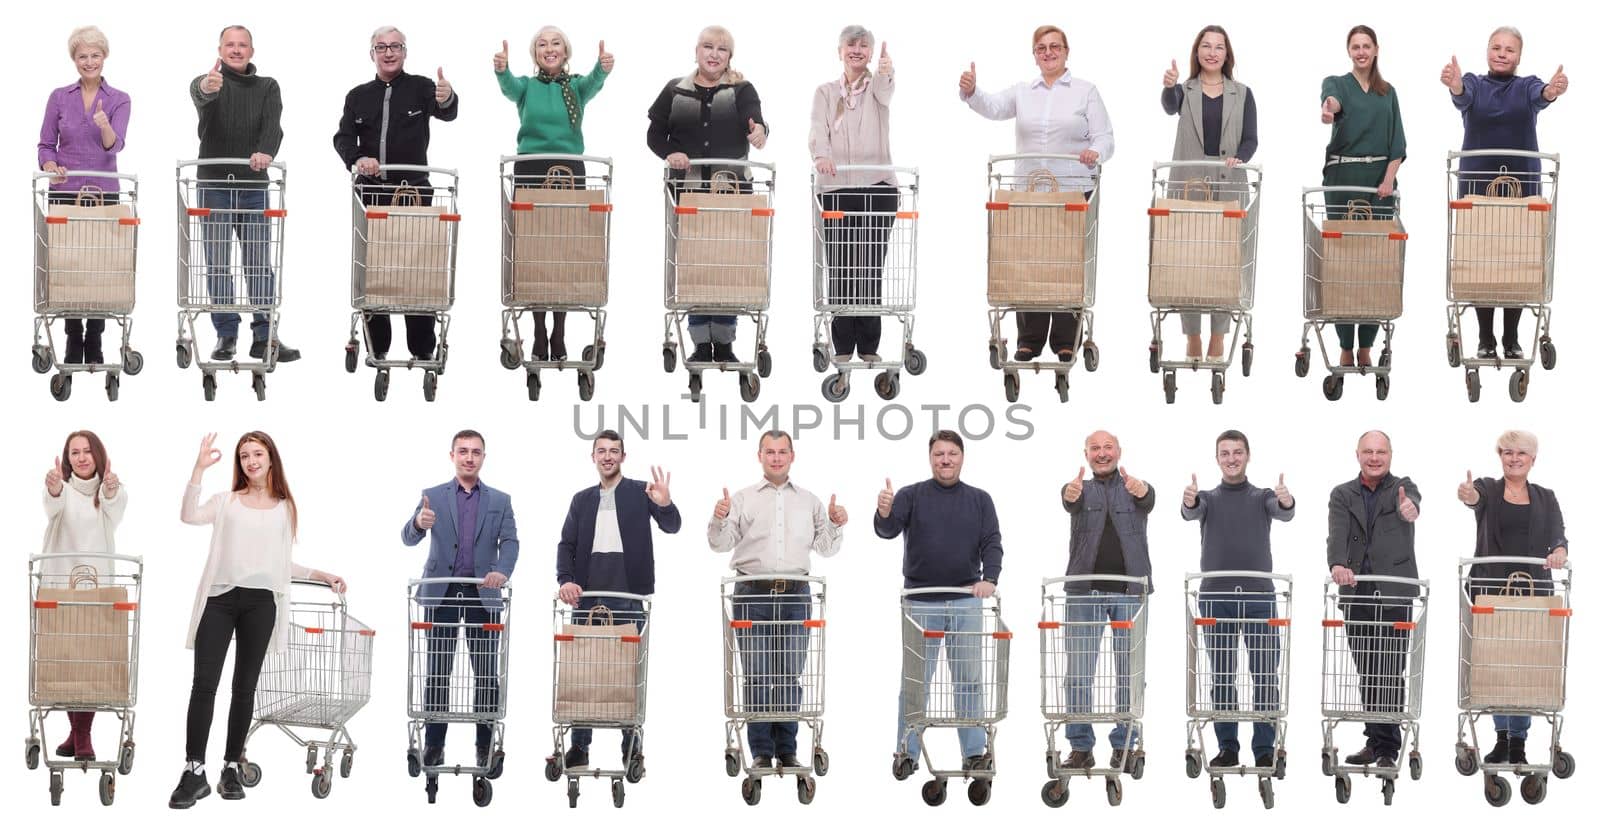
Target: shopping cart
x,y
404,236
555,257
969,690
83,656
1373,641
864,263
1221,609
600,680
230,260
1042,259
773,669
458,674
719,260
318,682
85,247
1515,635
1204,218
1091,671
1501,253
1355,265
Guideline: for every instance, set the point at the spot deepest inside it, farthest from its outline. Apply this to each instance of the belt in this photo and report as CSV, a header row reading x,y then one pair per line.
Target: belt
x,y
1343,160
772,586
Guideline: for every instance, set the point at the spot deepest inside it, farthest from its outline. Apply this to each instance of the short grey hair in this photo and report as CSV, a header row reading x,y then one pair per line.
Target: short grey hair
x,y
1379,432
1519,441
566,43
384,30
1507,30
89,36
852,33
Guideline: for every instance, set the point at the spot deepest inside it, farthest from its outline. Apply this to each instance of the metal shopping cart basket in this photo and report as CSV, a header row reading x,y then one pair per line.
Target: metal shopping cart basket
x,y
1092,671
85,247
458,673
555,256
864,264
1501,252
404,236
1223,607
773,670
318,682
1374,637
1516,630
83,656
230,260
600,680
719,260
955,672
1042,259
1204,218
1355,269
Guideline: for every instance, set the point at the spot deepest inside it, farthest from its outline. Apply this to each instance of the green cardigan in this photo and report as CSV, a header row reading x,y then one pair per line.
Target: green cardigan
x,y
545,127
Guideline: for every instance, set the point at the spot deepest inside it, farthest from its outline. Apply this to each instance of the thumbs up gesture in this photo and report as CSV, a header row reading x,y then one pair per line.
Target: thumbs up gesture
x,y
969,80
1285,500
213,80
424,519
758,134
1330,110
1450,76
1556,85
1074,489
502,59
1135,487
607,60
1191,493
886,499
101,120
52,480
724,506
836,513
1408,508
1170,77
110,483
885,64
1467,492
442,91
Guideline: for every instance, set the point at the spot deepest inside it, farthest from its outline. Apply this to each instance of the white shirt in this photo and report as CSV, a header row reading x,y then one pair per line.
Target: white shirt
x,y
773,529
607,535
1067,117
252,539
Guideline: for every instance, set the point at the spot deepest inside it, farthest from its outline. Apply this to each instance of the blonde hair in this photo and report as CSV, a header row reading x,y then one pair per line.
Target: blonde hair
x,y
1039,33
89,36
566,45
1520,441
718,33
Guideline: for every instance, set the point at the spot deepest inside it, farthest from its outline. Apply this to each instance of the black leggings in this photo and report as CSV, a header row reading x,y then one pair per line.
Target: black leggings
x,y
244,615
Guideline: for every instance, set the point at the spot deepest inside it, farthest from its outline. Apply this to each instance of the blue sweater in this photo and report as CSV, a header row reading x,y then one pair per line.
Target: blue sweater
x,y
952,535
1236,532
1499,111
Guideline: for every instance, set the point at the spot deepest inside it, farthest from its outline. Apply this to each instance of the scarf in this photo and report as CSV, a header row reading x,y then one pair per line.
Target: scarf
x,y
849,97
567,96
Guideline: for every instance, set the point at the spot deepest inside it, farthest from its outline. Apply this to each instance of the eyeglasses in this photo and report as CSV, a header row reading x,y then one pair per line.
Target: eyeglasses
x,y
381,48
1044,48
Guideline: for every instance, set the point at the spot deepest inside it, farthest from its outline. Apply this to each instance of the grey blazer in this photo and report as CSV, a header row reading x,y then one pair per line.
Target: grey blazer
x,y
1389,547
1191,139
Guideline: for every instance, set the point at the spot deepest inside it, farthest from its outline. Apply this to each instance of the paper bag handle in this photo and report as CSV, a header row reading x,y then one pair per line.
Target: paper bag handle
x,y
1504,186
1043,177
560,176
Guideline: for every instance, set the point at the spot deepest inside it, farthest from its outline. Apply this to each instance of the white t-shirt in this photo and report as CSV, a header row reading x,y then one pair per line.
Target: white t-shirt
x,y
607,535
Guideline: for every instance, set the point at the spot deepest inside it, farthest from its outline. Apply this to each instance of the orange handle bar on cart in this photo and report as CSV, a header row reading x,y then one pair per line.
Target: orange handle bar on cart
x,y
1121,625
443,218
595,207
742,624
1405,626
496,627
1047,626
1205,621
815,623
1002,635
630,638
1231,214
420,626
275,213
53,604
755,212
932,635
1007,207
1278,622
1561,612
199,212
833,215
61,220
1468,204
1392,235
1333,623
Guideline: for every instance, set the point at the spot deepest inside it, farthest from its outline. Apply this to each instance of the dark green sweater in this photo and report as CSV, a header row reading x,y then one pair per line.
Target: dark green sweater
x,y
241,119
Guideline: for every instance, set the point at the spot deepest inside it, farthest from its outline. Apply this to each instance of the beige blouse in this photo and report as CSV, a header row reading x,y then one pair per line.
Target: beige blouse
x,y
863,138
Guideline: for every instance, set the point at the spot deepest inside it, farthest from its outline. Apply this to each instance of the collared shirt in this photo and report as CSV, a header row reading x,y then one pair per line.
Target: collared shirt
x,y
773,529
1067,117
466,527
70,138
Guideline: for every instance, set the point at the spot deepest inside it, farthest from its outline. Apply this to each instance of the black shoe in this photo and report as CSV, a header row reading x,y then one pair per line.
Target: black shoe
x,y
558,349
1518,754
433,755
226,345
92,353
258,350
1225,758
723,352
1386,761
1266,760
789,760
74,354
191,788
1512,352
1079,760
228,786
702,353
1026,354
1366,756
576,757
977,763
761,762
1500,753
1487,352
380,356
541,346
421,357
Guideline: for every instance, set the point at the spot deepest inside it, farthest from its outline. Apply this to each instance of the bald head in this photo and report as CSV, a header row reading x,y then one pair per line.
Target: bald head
x,y
1102,452
1374,454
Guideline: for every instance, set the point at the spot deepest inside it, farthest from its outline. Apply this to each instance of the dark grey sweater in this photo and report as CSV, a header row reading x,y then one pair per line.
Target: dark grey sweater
x,y
1236,532
952,535
241,119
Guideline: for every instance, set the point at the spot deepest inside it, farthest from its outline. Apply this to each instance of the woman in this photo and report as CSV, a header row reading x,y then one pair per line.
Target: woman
x,y
85,124
1366,149
1515,518
241,598
550,105
1500,110
1055,114
850,126
1216,121
83,504
712,113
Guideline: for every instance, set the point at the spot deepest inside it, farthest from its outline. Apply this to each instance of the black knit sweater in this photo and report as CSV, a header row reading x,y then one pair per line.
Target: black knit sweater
x,y
241,119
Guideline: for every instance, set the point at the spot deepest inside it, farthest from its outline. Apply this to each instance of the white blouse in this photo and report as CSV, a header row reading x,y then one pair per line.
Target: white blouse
x,y
258,550
1067,117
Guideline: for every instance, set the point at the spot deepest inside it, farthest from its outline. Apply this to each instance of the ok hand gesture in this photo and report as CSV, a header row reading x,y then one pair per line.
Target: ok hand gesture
x,y
659,489
208,456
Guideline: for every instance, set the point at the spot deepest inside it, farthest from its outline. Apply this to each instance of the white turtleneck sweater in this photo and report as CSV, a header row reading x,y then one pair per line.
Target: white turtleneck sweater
x,y
76,525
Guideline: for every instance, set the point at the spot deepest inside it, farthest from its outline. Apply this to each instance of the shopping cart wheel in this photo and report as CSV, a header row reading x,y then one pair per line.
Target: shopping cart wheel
x,y
108,788
61,387
819,761
887,384
380,385
1496,790
835,388
352,356
1519,385
585,386
1533,788
1063,387
56,786
113,387
311,760
510,355
904,766
1219,792
805,789
1327,761
1302,363
994,356
125,759
1416,766
1383,386
1191,763
669,358
1452,351
321,784
730,763
635,769
916,360
430,385
1113,791
43,361
1388,791
1264,787
1386,358
1218,385
749,387
1333,387
1013,386
534,385
750,789
598,355
482,792
978,791
1563,765
1281,764
1474,385
933,792
819,360
1247,358
1169,385
1137,768
1054,793
1341,788
694,386
1091,356
1547,354
1155,357
764,363
552,767
346,762
132,361
31,752
432,788
619,794
572,793
258,381
249,774
1466,760
497,764
185,355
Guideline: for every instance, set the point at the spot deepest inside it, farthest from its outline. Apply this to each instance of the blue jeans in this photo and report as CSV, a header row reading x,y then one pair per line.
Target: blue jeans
x,y
773,651
236,212
1514,726
1087,615
459,603
1261,649
961,620
622,611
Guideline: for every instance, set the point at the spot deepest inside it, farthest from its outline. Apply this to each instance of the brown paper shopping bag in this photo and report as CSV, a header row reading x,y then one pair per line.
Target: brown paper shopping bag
x,y
721,250
1362,266
408,253
1037,245
1518,648
81,645
558,251
90,255
1196,250
1498,245
597,669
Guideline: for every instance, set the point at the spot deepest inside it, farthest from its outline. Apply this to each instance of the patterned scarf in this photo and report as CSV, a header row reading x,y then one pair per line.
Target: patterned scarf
x,y
849,97
567,96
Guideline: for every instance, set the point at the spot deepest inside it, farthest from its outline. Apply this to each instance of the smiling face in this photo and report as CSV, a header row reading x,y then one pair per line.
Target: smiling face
x,y
90,61
777,455
1363,52
551,51
856,55
1373,453
1212,52
255,462
467,456
236,49
1515,462
1232,458
1103,453
389,54
712,56
608,457
80,456
1050,54
945,459
1505,53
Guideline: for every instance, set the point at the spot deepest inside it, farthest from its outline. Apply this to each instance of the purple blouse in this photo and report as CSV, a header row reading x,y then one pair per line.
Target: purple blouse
x,y
70,138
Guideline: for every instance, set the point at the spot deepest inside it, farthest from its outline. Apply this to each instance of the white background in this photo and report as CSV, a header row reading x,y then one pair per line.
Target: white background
x,y
357,466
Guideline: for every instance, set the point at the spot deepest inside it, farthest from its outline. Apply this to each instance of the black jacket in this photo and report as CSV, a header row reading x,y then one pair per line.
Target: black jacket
x,y
704,122
1546,529
389,121
1389,547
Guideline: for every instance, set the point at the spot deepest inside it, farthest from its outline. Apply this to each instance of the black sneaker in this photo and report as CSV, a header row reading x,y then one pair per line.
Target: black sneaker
x,y
228,786
1266,760
1487,352
976,763
723,352
1500,753
258,350
576,757
1518,754
790,760
1366,756
191,788
702,353
761,762
226,345
1513,352
1225,758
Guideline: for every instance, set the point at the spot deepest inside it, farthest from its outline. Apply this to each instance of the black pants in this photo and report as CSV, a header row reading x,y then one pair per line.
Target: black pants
x,y
461,604
535,173
1034,328
1486,327
420,339
245,616
857,246
1379,651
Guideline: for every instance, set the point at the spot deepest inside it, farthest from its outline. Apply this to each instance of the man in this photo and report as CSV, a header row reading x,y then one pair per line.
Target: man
x,y
606,546
772,527
1236,535
240,114
476,539
1372,531
952,539
386,122
1109,512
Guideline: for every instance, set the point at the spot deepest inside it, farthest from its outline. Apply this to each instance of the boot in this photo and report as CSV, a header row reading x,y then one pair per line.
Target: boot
x,y
1517,754
69,746
82,739
1500,753
92,352
723,352
74,349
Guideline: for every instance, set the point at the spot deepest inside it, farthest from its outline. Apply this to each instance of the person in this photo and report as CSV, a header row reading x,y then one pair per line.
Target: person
x,y
1372,532
1236,535
85,126
1515,517
387,121
1110,512
477,541
240,117
84,501
1365,148
550,107
1216,121
711,113
951,538
1500,110
242,598
606,546
772,527
1056,113
850,126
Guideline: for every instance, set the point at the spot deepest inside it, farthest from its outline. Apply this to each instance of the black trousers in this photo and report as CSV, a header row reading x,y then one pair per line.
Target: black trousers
x,y
246,617
1379,651
1485,326
420,338
856,248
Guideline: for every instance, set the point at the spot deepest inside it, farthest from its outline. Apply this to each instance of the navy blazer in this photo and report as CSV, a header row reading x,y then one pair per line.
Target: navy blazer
x,y
494,545
634,511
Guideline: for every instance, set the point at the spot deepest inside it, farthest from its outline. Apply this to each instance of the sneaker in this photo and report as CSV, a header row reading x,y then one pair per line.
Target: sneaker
x,y
761,762
1079,760
1512,352
1487,353
228,786
226,345
702,352
433,755
258,350
576,757
789,760
1366,756
871,357
723,352
191,788
1225,758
